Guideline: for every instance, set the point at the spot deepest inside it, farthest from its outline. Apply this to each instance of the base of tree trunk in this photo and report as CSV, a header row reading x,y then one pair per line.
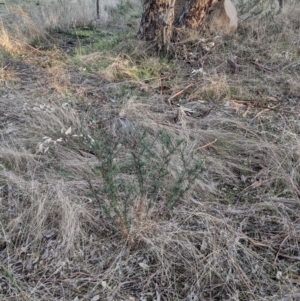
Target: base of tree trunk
x,y
158,25
157,21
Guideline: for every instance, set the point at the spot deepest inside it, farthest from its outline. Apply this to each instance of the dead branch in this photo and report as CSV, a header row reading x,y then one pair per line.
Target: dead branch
x,y
263,68
206,145
179,93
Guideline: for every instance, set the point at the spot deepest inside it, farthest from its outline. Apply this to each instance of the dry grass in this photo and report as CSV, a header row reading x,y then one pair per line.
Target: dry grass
x,y
48,13
234,235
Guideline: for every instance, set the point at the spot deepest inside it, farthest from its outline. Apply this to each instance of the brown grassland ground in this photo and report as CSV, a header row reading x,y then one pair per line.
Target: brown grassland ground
x,y
126,175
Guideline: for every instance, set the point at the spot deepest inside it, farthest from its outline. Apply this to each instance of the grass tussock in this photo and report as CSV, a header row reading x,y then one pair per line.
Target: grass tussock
x,y
8,44
129,176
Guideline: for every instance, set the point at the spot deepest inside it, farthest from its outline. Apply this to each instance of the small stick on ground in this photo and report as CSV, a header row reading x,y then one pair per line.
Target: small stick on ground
x,y
179,92
292,65
262,67
206,145
279,249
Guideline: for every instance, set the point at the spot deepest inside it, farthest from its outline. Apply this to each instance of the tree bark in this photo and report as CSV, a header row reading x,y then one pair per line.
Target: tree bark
x,y
158,18
194,13
98,9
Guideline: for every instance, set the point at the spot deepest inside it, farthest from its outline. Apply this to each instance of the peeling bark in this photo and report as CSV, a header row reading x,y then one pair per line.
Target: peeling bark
x,y
158,18
179,7
194,13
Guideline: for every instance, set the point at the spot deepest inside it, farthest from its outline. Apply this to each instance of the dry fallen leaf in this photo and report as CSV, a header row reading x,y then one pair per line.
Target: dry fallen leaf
x,y
69,131
143,265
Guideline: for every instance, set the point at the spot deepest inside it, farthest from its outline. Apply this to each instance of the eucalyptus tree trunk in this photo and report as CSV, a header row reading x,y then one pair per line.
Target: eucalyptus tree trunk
x,y
157,20
159,17
194,13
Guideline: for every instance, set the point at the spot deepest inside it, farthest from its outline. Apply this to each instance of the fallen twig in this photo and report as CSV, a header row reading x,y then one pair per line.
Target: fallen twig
x,y
277,253
262,67
261,112
179,92
236,67
206,145
292,65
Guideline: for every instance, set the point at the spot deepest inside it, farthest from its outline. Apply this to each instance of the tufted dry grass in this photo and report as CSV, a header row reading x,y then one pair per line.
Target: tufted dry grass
x,y
234,235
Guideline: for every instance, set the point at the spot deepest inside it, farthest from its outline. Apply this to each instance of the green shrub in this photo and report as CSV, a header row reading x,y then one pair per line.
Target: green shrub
x,y
156,170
